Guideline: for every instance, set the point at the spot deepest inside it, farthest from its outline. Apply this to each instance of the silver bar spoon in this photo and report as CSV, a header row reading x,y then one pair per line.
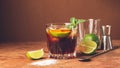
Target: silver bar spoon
x,y
89,58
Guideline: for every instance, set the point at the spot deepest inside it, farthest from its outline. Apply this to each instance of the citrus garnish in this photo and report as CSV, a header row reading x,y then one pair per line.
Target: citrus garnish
x,y
37,54
92,37
88,47
60,32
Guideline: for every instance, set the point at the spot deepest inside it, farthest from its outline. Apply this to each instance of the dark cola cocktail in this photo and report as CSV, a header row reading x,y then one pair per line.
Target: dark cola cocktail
x,y
61,41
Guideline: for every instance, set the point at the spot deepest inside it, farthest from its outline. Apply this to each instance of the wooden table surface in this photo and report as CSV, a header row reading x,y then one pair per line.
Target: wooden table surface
x,y
12,55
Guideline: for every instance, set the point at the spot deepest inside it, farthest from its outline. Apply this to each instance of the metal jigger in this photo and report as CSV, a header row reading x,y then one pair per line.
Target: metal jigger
x,y
106,39
109,42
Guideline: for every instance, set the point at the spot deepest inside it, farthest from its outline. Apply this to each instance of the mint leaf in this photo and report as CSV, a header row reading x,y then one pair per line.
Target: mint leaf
x,y
74,22
80,21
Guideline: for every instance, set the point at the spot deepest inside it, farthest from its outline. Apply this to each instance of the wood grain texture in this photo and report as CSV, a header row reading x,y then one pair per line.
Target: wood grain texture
x,y
12,55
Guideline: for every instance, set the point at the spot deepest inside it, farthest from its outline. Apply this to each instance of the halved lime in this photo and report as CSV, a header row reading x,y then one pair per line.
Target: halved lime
x,y
37,54
60,32
92,37
88,47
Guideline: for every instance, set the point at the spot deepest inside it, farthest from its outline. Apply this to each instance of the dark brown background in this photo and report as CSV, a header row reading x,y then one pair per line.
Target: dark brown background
x,y
24,20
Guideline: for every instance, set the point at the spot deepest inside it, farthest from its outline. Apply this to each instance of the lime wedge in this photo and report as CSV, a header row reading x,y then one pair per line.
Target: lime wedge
x,y
60,32
88,47
37,54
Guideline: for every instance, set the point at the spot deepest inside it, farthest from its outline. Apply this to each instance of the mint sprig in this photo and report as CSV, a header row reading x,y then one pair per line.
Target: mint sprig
x,y
74,22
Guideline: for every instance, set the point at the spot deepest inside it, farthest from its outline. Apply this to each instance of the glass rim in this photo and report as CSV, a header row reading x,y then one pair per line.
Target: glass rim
x,y
58,23
65,23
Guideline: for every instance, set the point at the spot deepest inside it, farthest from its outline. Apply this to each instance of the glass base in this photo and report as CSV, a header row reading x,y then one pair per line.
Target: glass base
x,y
62,56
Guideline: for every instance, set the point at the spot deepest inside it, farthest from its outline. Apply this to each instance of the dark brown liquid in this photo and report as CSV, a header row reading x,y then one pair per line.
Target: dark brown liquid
x,y
58,45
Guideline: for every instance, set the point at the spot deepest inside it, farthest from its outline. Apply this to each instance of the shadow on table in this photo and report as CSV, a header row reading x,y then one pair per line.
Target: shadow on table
x,y
99,52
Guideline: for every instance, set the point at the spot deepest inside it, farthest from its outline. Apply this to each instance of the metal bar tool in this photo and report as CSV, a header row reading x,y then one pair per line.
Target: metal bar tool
x,y
106,39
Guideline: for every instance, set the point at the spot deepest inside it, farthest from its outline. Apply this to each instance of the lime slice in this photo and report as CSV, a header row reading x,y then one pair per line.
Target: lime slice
x,y
88,47
37,54
60,32
92,37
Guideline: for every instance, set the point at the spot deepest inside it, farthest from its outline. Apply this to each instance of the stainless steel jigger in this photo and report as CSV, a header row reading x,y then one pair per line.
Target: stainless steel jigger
x,y
106,39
